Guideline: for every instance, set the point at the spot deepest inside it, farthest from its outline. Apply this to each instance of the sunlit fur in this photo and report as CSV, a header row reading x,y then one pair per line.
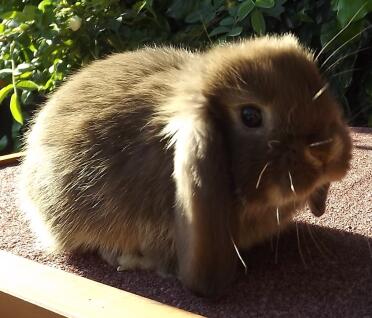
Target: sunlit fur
x,y
144,157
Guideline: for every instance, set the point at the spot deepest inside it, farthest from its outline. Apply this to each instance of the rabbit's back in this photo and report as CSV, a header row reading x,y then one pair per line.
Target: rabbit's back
x,y
96,167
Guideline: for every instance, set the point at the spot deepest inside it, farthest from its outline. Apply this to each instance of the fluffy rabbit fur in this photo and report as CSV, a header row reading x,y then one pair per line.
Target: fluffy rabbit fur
x,y
145,156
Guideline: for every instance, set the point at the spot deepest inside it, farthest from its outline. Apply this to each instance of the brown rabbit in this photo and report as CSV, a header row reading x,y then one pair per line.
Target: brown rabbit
x,y
164,159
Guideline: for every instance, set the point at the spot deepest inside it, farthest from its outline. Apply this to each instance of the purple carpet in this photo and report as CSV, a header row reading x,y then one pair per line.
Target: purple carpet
x,y
321,269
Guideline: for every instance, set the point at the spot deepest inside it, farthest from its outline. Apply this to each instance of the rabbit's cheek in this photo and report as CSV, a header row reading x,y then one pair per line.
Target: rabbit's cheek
x,y
337,149
332,160
276,196
322,154
339,161
313,160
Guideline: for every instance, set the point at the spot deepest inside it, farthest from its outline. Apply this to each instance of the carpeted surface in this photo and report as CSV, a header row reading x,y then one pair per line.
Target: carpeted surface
x,y
325,271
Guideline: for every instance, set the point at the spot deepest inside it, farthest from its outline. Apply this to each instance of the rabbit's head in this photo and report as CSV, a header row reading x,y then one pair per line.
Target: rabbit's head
x,y
286,136
261,122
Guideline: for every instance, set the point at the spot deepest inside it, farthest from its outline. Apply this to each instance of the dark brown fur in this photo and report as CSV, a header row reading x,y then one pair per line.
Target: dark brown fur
x,y
143,156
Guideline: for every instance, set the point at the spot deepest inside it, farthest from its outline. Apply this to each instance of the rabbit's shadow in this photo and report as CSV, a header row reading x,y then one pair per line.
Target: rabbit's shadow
x,y
310,264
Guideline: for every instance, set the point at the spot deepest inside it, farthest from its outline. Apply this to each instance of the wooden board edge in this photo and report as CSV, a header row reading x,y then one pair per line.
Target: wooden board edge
x,y
11,159
30,289
12,306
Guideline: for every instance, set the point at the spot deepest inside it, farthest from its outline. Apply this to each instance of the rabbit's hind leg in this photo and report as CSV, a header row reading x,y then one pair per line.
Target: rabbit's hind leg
x,y
134,261
110,256
126,261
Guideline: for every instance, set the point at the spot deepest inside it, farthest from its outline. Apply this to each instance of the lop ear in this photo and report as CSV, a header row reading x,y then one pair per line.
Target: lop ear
x,y
318,200
204,216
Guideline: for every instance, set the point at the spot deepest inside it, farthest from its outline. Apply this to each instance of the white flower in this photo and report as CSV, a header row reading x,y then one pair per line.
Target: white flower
x,y
74,23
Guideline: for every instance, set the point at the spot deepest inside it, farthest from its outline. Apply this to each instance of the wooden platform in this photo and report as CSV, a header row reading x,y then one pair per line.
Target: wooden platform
x,y
29,289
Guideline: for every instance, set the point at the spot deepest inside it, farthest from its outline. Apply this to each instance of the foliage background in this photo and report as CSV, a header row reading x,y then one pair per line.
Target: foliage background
x,y
41,42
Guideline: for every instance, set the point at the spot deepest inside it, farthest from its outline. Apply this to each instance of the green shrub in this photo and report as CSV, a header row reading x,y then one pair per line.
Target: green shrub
x,y
43,41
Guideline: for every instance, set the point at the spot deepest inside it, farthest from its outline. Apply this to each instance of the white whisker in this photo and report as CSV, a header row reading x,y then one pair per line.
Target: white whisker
x,y
344,57
342,30
299,246
320,92
346,71
344,44
277,246
291,182
277,216
356,114
316,243
205,28
261,173
325,247
320,143
271,244
240,257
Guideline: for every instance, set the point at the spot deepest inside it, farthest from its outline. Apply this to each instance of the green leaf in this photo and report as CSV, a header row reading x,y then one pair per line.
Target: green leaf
x,y
29,85
16,136
23,67
265,3
346,9
15,108
303,17
194,17
219,30
277,10
29,12
43,4
330,29
5,72
181,8
4,92
207,17
258,22
235,31
26,97
3,142
138,6
227,21
50,82
244,9
69,42
233,10
10,15
25,75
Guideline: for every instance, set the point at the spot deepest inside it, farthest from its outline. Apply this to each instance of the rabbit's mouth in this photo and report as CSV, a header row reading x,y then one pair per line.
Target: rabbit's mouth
x,y
296,173
294,169
277,196
283,181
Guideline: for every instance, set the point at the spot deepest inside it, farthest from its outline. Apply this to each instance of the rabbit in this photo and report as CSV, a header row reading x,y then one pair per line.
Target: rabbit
x,y
171,160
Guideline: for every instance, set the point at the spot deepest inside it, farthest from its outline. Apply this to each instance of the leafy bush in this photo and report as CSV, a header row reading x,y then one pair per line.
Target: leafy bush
x,y
43,41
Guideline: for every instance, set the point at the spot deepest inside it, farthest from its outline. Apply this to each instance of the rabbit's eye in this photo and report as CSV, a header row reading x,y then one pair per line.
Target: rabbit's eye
x,y
251,116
